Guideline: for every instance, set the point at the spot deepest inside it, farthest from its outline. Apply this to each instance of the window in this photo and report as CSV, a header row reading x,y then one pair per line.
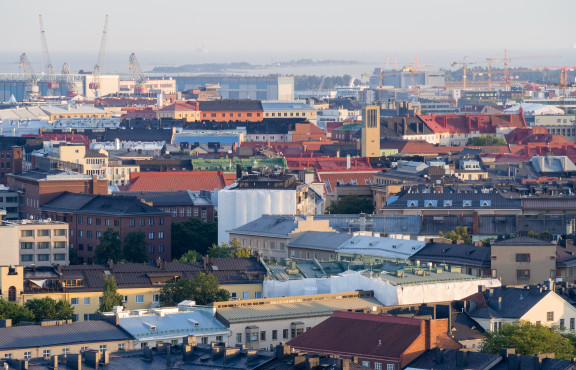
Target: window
x,y
522,257
151,249
151,236
98,234
140,298
523,274
285,334
26,245
195,211
27,258
80,220
59,244
43,245
116,223
161,221
150,222
572,323
258,295
107,222
86,301
562,324
74,301
161,235
156,298
121,346
274,334
132,223
43,257
59,257
219,338
80,233
239,338
245,295
8,356
89,246
98,221
27,355
204,340
160,249
46,353
102,347
89,234
142,222
550,316
188,212
82,349
89,220
65,351
25,233
390,367
377,366
366,363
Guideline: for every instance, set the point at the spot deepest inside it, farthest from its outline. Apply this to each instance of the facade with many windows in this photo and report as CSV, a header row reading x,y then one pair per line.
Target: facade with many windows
x,y
34,242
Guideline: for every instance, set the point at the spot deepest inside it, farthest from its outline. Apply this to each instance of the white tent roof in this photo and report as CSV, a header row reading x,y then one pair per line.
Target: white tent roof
x,y
534,109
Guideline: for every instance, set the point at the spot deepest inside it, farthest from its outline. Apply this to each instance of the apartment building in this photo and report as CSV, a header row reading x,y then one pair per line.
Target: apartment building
x,y
265,323
34,242
90,215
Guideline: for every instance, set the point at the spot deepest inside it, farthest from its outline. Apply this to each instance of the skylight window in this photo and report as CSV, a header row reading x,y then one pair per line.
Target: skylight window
x,y
467,203
447,203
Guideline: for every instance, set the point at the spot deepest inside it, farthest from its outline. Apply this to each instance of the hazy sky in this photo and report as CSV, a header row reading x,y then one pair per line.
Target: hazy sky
x,y
305,27
256,25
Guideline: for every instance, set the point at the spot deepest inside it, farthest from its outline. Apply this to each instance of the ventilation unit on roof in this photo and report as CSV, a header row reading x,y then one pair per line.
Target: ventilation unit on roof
x,y
194,322
150,326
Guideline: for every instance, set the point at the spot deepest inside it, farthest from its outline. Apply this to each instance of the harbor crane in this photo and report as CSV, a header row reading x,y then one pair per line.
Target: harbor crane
x,y
31,91
68,80
507,59
563,73
52,82
138,76
96,73
464,63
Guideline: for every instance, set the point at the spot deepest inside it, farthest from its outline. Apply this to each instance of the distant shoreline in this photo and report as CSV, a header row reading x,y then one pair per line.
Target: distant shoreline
x,y
235,66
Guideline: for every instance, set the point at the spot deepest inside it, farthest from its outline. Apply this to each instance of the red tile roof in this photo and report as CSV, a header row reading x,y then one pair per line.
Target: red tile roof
x,y
363,335
532,135
329,163
466,123
347,177
69,138
182,180
181,106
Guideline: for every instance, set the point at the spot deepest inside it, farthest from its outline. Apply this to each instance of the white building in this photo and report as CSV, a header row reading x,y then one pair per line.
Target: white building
x,y
255,195
34,242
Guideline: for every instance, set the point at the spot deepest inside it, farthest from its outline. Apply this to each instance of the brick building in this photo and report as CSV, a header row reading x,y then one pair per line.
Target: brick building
x,y
11,155
377,341
37,187
89,215
181,204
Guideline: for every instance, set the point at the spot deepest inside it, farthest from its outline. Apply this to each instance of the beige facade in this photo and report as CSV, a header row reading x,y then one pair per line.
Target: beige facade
x,y
275,247
93,163
520,263
264,323
551,310
34,242
48,351
119,174
370,141
11,283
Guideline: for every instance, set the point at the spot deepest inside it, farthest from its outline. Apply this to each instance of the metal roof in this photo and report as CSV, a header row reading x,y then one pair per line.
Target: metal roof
x,y
171,325
381,247
282,311
33,336
324,240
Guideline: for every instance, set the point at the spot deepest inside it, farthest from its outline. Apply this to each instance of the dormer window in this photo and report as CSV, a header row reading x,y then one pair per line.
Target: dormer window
x,y
485,203
412,203
430,203
467,203
447,203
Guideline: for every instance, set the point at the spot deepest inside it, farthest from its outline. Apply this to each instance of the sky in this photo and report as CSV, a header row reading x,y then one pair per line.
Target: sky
x,y
171,31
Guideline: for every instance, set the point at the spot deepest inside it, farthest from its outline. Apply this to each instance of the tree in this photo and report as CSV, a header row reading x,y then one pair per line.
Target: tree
x,y
12,310
190,256
110,247
461,233
193,234
351,205
203,289
234,249
486,140
529,339
49,309
110,296
135,247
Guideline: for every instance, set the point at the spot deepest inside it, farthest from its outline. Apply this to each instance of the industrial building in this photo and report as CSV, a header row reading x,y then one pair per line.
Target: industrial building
x,y
242,87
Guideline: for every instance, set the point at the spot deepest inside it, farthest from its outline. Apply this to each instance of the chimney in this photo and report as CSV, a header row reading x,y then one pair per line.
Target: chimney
x,y
506,352
92,358
512,361
499,303
461,358
5,323
348,164
439,355
54,362
110,264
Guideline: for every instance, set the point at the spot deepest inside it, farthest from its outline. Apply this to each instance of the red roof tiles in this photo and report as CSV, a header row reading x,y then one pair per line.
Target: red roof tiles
x,y
328,164
350,177
467,123
182,180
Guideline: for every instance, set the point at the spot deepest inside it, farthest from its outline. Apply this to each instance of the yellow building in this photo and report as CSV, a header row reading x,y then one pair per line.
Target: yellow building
x,y
186,110
56,112
370,141
139,284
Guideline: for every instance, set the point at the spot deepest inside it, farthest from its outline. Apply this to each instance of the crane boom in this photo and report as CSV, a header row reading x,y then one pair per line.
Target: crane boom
x,y
95,85
32,91
138,75
52,83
